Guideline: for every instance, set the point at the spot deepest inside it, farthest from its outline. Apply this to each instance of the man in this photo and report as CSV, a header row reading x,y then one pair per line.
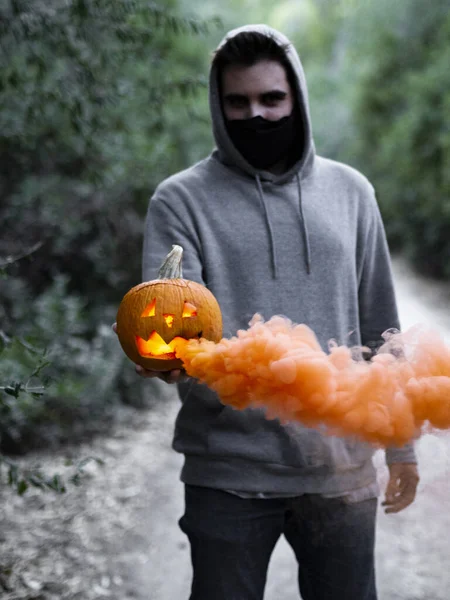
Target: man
x,y
270,227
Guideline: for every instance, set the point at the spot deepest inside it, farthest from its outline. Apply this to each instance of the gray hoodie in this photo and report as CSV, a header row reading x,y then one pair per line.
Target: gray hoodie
x,y
308,244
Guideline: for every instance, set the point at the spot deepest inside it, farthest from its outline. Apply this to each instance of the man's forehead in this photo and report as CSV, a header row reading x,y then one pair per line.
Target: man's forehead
x,y
264,75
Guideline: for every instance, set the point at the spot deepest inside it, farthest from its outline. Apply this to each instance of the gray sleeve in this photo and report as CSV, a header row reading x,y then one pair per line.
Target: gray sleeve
x,y
405,454
378,306
376,294
167,224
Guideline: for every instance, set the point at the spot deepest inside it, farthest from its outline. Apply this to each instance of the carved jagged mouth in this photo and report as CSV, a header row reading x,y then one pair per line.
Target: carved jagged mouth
x,y
156,347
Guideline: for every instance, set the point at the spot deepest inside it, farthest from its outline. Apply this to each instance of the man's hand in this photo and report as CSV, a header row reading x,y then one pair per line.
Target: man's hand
x,y
401,489
174,376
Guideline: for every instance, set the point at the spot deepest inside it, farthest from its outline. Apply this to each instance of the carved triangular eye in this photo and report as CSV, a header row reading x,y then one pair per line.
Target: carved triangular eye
x,y
189,310
150,309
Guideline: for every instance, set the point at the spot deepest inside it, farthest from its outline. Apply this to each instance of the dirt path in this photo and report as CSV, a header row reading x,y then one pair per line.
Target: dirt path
x,y
117,537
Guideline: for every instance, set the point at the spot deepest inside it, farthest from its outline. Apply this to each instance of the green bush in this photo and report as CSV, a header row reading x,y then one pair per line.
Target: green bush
x,y
98,102
401,115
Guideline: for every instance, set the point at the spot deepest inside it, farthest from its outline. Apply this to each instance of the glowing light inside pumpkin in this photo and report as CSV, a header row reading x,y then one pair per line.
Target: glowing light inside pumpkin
x,y
156,347
150,309
189,310
169,320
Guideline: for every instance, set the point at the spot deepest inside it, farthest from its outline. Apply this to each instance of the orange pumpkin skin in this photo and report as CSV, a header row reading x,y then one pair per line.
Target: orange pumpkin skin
x,y
168,297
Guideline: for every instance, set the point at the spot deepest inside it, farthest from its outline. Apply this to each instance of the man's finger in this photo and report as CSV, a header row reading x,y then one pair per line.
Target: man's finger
x,y
173,376
397,502
392,491
145,372
176,376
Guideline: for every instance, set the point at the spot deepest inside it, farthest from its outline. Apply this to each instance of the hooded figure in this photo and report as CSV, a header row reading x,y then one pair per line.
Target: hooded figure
x,y
297,235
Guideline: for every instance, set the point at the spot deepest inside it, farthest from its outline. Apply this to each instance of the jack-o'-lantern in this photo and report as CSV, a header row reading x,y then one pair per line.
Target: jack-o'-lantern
x,y
155,316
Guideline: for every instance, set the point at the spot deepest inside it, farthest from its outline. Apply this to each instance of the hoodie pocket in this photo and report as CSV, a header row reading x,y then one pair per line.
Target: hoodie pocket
x,y
249,435
200,409
348,453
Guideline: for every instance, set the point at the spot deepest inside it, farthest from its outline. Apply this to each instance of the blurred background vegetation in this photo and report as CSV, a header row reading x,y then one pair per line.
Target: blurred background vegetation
x,y
101,99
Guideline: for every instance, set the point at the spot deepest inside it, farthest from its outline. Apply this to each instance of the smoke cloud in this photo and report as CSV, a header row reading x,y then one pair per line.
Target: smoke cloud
x,y
279,365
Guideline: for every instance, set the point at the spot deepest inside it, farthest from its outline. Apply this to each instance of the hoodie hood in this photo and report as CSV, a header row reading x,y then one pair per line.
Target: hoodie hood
x,y
226,151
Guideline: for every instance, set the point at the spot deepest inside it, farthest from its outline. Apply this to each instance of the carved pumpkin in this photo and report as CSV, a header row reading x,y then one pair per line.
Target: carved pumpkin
x,y
155,316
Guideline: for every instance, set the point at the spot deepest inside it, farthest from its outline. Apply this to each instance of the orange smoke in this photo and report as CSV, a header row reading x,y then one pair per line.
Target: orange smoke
x,y
280,366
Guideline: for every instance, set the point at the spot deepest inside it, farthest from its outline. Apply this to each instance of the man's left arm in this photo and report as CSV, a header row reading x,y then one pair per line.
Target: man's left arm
x,y
378,312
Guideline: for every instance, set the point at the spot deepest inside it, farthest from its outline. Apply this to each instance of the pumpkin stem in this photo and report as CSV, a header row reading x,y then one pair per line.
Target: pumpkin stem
x,y
171,267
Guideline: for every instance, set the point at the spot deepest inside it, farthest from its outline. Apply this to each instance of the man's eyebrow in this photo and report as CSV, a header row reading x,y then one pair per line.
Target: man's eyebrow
x,y
233,96
269,94
275,94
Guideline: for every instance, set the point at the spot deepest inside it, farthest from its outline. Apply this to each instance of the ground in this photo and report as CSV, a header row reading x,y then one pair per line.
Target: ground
x,y
116,536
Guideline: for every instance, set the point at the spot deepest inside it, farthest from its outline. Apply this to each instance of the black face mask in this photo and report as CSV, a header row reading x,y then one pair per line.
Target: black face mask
x,y
261,142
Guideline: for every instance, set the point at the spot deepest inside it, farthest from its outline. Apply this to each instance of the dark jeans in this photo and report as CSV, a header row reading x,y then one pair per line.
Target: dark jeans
x,y
232,540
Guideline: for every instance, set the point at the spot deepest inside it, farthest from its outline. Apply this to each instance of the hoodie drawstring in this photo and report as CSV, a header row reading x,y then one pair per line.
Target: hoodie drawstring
x,y
273,252
303,225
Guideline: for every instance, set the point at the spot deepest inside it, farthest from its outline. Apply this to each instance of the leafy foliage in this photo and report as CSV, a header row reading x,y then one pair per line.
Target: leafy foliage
x,y
94,100
401,114
16,411
22,479
87,136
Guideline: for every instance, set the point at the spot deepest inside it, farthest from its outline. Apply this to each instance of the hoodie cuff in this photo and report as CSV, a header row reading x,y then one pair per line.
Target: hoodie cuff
x,y
405,454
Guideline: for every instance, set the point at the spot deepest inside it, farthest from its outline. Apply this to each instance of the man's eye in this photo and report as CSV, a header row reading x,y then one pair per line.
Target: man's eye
x,y
237,102
273,100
